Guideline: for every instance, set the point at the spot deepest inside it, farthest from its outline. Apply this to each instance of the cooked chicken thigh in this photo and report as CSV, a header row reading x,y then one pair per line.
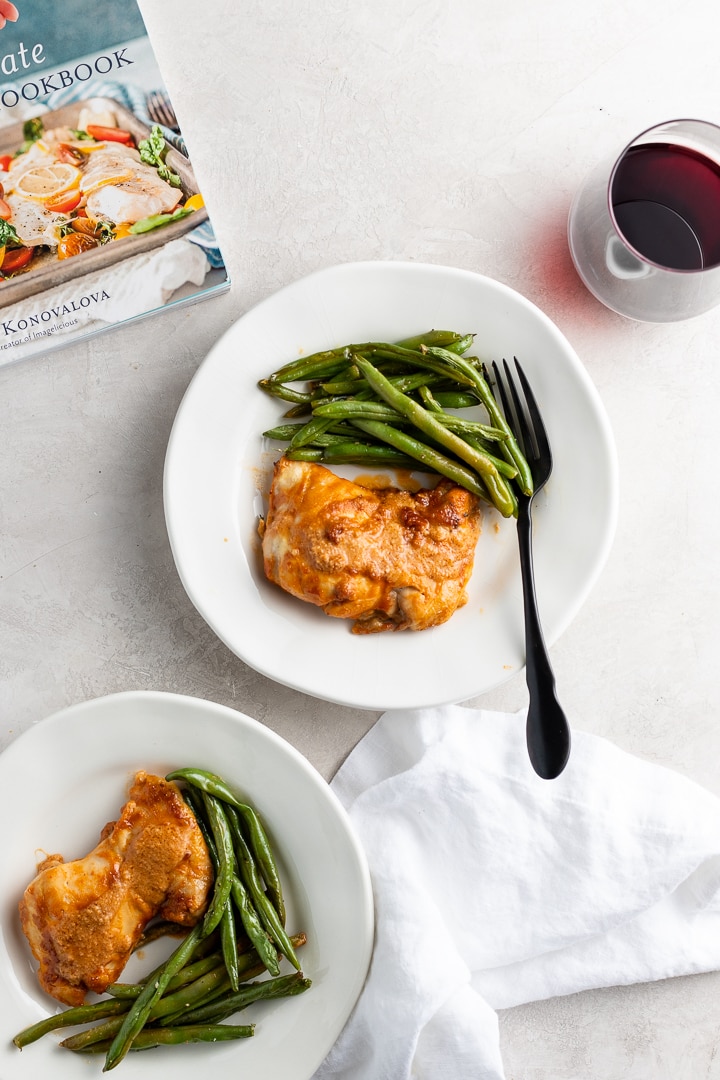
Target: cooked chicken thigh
x,y
83,918
389,559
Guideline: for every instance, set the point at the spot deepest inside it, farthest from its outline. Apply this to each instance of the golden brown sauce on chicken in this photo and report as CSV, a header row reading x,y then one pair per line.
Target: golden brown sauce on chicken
x,y
389,559
84,918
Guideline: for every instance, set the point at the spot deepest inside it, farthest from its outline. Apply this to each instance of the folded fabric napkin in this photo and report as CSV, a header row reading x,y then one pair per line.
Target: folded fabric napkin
x,y
494,887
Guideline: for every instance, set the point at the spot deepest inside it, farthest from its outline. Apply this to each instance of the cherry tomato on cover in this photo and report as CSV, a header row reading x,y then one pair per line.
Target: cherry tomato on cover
x,y
64,202
108,134
16,259
5,160
5,211
68,154
74,244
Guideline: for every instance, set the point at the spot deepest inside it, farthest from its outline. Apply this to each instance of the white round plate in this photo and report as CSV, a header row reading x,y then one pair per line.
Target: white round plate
x,y
64,778
218,470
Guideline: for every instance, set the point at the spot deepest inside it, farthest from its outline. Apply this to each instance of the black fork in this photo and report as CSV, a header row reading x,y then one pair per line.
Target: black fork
x,y
547,731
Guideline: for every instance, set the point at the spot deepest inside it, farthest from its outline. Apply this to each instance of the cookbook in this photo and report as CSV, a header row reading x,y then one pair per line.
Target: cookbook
x,y
101,217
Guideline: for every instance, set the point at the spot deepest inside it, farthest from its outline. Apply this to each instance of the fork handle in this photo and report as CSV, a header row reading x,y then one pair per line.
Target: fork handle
x,y
547,729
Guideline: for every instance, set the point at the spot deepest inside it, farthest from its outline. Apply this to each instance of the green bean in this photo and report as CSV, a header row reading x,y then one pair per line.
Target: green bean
x,y
305,453
104,1032
397,354
346,381
251,879
428,424
226,863
202,991
140,1009
169,1036
317,365
210,783
249,967
283,432
257,837
345,386
264,990
443,363
228,937
458,347
444,338
331,438
428,399
455,399
285,393
180,1017
473,431
463,365
370,454
414,364
254,928
304,408
505,468
360,388
308,431
461,424
193,797
198,992
350,408
329,362
188,974
260,847
79,1014
432,460
125,991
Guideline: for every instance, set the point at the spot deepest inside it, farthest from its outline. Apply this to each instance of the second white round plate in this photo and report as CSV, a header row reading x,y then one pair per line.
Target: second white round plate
x,y
218,470
64,778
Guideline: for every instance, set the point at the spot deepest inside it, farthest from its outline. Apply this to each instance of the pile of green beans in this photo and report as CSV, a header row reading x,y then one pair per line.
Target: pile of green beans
x,y
206,979
400,405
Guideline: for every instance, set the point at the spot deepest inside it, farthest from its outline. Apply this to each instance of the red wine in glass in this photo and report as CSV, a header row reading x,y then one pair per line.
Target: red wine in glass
x,y
666,202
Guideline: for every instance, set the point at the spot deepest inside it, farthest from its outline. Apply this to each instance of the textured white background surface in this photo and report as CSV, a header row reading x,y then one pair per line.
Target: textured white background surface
x,y
446,131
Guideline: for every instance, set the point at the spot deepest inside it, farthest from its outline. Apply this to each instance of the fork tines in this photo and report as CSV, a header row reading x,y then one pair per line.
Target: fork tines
x,y
161,111
523,416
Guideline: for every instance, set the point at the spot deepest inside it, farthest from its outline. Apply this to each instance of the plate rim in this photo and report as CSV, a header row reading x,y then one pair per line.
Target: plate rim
x,y
606,444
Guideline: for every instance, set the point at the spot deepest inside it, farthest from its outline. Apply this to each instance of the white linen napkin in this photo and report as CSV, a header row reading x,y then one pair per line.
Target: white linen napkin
x,y
494,887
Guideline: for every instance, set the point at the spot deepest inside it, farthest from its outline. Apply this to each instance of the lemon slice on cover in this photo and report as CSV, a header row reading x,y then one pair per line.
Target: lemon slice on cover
x,y
109,178
43,181
81,145
85,147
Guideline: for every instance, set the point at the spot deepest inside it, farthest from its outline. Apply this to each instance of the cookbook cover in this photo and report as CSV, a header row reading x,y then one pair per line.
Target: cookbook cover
x,y
101,217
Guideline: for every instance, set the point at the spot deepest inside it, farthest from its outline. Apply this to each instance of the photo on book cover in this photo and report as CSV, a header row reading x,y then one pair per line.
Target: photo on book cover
x,y
101,217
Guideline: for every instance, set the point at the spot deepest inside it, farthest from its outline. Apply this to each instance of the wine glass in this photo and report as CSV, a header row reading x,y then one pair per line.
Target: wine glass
x,y
644,229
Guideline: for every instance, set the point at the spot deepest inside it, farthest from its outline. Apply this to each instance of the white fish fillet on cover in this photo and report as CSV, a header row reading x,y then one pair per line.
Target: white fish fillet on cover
x,y
131,197
34,223
131,200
